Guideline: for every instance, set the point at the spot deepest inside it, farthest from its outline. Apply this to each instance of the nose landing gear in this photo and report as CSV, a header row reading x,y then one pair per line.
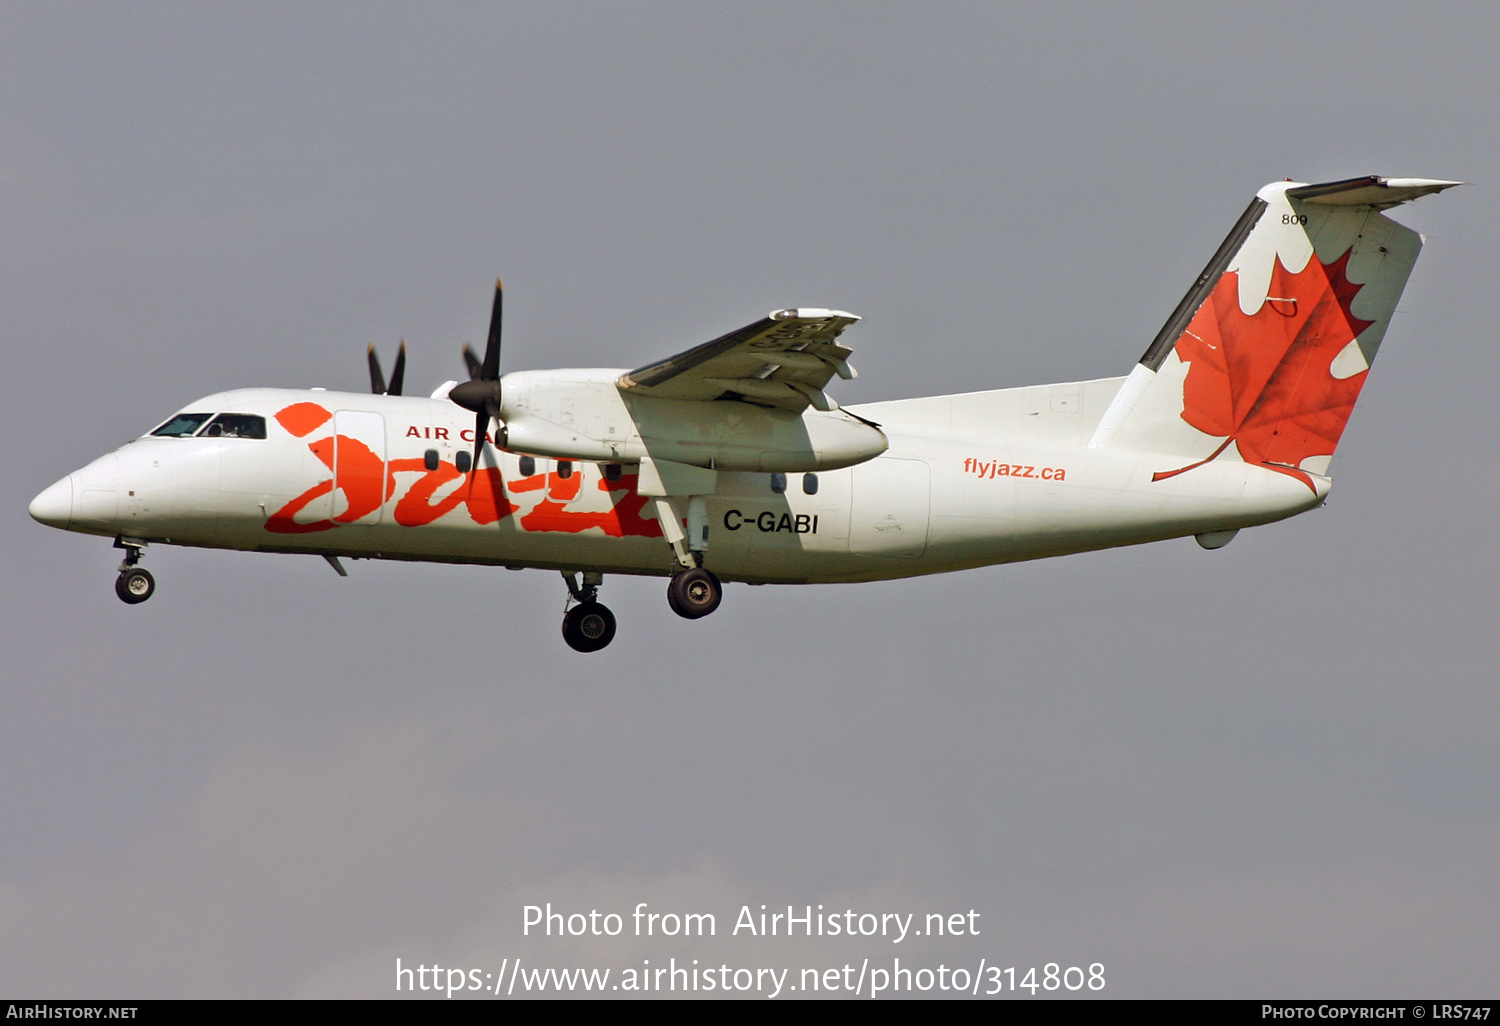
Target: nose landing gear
x,y
588,626
135,584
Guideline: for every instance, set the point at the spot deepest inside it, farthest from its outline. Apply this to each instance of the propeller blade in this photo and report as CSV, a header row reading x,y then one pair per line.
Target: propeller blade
x,y
398,372
377,378
472,362
491,369
481,393
480,423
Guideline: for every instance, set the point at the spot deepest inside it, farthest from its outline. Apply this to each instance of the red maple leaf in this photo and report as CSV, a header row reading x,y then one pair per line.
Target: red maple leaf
x,y
1264,381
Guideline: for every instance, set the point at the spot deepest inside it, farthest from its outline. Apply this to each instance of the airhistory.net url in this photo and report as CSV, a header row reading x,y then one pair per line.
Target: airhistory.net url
x,y
671,977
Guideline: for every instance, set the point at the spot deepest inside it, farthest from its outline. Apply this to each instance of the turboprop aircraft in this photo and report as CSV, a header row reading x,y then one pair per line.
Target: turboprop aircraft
x,y
730,461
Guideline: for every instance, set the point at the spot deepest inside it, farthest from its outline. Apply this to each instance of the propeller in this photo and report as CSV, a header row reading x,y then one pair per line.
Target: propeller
x,y
398,373
481,393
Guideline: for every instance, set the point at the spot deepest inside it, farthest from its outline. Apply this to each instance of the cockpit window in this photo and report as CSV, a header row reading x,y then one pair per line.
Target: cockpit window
x,y
182,425
235,425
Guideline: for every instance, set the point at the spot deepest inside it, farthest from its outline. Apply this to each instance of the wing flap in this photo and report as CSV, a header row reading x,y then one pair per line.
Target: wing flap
x,y
781,360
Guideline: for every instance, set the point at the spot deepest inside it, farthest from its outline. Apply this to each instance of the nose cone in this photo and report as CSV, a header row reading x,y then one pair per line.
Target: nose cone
x,y
54,507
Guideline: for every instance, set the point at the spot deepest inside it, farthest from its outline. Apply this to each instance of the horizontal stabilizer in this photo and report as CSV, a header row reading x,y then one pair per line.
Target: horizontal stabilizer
x,y
1371,191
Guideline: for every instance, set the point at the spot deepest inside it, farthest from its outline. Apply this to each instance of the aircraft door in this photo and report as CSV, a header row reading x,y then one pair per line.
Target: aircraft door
x,y
889,510
359,472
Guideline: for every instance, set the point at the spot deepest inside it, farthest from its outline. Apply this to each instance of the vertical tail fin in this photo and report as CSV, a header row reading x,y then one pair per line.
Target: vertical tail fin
x,y
1266,354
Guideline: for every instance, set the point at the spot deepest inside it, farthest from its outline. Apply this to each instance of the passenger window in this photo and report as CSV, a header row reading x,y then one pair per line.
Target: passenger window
x,y
564,469
235,425
463,461
430,459
612,471
528,466
778,482
810,484
182,425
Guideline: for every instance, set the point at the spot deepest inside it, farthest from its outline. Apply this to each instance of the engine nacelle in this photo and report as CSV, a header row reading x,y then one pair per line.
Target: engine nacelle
x,y
581,415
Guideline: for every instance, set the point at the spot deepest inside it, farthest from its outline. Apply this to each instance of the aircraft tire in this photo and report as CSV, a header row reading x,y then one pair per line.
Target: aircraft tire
x,y
135,586
694,593
588,627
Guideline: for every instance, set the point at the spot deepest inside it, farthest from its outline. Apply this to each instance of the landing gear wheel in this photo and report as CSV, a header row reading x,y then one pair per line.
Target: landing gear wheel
x,y
588,627
694,593
135,585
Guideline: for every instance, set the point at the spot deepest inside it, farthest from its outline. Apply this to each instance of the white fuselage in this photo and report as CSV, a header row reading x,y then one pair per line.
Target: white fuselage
x,y
967,480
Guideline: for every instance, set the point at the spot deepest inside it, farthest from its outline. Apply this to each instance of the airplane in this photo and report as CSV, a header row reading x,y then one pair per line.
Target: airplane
x,y
730,461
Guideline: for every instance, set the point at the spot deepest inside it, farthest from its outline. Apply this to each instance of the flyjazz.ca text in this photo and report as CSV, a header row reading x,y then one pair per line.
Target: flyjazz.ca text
x,y
990,469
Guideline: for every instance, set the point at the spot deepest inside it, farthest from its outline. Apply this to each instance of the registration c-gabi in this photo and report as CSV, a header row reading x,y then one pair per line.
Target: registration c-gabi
x,y
770,522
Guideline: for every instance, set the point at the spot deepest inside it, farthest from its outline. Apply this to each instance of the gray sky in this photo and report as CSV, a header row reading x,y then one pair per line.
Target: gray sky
x,y
1268,770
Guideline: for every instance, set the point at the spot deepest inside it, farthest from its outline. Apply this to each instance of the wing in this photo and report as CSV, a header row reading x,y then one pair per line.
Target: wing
x,y
781,360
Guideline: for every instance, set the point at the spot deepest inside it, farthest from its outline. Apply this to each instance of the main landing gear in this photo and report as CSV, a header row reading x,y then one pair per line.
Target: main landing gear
x,y
135,584
588,626
694,593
